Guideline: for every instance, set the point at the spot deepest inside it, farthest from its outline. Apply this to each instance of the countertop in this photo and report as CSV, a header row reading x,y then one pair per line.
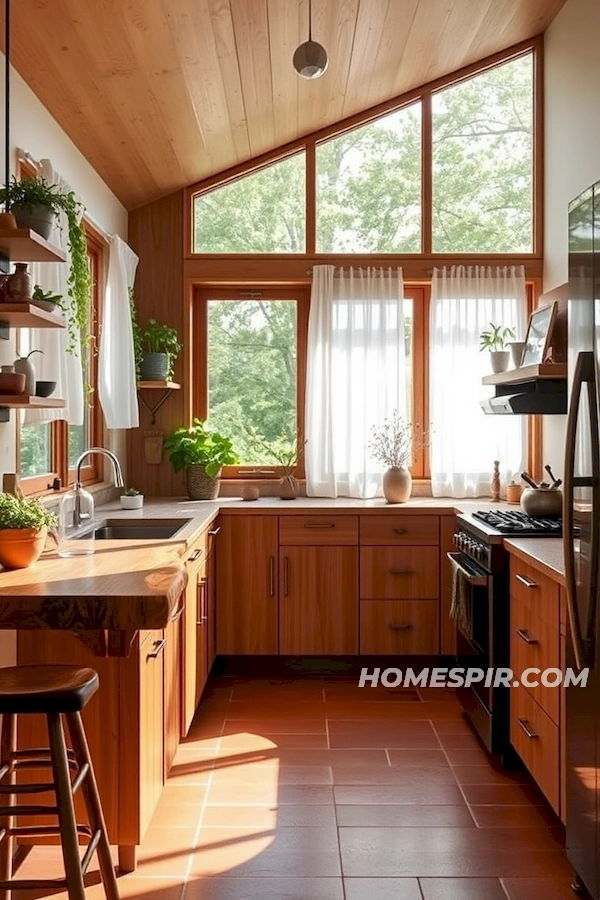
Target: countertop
x,y
545,554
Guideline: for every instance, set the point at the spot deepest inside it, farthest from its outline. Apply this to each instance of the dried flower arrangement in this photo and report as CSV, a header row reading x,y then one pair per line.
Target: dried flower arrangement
x,y
395,441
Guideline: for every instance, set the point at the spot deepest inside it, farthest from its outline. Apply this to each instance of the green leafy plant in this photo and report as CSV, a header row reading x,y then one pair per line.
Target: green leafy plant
x,y
153,338
16,513
197,444
496,337
36,191
131,492
47,296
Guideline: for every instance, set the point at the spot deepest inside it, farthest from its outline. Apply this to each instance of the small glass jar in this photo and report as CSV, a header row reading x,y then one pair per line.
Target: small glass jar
x,y
76,523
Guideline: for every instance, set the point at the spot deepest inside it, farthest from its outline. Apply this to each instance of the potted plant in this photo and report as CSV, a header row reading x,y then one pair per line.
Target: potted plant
x,y
156,348
393,443
46,299
24,526
132,499
288,456
495,340
35,202
202,454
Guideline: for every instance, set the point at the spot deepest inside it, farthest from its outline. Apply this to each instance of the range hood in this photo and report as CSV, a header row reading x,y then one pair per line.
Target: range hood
x,y
532,390
526,404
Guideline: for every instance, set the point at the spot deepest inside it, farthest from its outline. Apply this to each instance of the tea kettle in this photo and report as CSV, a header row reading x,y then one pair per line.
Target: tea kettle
x,y
541,499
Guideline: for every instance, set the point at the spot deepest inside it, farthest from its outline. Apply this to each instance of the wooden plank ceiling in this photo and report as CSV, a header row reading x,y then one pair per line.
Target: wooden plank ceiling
x,y
159,94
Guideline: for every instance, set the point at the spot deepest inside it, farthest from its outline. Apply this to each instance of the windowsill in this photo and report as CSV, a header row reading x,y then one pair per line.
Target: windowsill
x,y
101,491
269,487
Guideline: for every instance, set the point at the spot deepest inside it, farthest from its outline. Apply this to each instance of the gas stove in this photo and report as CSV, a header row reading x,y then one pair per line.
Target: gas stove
x,y
519,524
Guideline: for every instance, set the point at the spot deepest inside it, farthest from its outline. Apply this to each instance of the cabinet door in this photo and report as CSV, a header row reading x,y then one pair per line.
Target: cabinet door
x,y
202,633
247,585
173,685
190,651
151,731
318,606
211,589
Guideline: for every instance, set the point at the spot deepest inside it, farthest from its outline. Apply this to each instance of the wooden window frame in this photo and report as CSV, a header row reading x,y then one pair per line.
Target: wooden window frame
x,y
419,294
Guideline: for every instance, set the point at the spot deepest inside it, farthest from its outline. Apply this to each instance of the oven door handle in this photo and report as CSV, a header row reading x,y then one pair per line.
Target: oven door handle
x,y
472,578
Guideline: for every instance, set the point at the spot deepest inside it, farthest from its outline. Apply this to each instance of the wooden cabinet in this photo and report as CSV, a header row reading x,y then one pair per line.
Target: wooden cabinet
x,y
535,737
318,600
398,530
150,745
174,665
318,529
193,658
247,575
403,573
399,627
534,643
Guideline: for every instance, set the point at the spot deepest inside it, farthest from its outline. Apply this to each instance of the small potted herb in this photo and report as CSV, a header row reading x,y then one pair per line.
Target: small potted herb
x,y
132,499
156,349
201,454
24,526
46,299
495,340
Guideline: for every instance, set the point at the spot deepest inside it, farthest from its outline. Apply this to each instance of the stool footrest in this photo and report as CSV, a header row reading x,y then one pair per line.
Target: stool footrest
x,y
44,830
90,850
33,884
7,811
35,788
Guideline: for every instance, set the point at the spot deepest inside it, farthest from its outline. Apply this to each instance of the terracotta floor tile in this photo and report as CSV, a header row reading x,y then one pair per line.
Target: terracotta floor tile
x,y
419,756
437,693
242,888
193,772
381,709
466,756
405,816
196,751
304,689
348,693
271,770
462,889
488,775
397,775
382,889
269,817
382,734
513,816
244,741
423,793
454,726
538,888
283,708
165,851
502,794
275,725
132,886
369,757
269,794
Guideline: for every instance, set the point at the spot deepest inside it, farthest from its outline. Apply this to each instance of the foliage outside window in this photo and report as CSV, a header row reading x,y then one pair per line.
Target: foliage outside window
x,y
263,212
369,187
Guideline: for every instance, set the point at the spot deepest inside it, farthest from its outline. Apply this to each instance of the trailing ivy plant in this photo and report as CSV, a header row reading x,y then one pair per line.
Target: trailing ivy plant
x,y
37,191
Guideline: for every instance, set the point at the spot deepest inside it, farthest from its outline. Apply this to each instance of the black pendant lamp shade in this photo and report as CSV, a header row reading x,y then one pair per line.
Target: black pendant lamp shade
x,y
310,58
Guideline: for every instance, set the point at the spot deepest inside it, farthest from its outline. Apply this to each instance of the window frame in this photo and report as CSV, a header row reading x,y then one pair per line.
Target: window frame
x,y
419,294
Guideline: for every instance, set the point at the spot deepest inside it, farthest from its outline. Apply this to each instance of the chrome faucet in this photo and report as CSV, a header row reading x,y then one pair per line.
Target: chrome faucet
x,y
117,473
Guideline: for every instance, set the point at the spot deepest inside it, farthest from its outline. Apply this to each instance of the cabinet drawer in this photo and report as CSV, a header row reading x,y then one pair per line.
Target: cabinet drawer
x,y
398,530
334,530
535,737
399,626
405,573
535,590
534,643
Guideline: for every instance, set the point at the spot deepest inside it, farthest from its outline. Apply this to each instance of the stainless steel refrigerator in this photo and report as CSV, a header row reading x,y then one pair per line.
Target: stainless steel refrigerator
x,y
581,540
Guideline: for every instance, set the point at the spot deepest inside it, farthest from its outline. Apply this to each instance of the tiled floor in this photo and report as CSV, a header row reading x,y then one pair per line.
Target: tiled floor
x,y
314,789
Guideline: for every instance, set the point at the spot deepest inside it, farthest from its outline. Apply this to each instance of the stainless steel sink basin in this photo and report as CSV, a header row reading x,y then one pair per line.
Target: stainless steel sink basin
x,y
149,529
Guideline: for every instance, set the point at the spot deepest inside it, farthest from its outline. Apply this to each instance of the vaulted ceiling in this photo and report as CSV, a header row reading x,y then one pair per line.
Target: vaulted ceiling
x,y
159,94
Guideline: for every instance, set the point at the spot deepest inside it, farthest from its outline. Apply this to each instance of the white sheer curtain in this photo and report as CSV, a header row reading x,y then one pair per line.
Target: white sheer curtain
x,y
356,375
56,364
116,363
464,441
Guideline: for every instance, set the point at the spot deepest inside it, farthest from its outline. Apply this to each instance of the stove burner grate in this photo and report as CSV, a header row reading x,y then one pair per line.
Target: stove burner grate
x,y
519,523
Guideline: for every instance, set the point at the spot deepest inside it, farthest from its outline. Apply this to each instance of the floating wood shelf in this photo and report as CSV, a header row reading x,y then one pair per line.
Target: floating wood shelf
x,y
28,315
159,385
26,401
552,371
25,245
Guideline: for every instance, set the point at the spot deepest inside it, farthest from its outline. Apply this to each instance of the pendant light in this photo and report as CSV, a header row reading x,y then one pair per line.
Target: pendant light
x,y
310,59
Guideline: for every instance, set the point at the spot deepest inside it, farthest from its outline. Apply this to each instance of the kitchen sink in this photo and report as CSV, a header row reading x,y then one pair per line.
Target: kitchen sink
x,y
149,529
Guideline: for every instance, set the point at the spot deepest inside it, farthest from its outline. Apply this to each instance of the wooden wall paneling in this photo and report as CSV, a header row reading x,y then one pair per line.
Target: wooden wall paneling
x,y
285,33
447,625
221,23
156,235
251,26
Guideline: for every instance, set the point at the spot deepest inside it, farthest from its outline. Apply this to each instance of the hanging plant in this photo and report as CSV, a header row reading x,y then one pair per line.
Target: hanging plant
x,y
30,193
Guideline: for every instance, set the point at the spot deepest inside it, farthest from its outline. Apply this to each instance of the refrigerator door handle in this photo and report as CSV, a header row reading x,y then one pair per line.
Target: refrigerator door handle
x,y
585,372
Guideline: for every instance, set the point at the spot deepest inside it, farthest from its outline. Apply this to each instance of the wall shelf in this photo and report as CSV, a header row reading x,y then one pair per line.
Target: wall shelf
x,y
530,390
166,386
27,315
25,245
26,401
552,371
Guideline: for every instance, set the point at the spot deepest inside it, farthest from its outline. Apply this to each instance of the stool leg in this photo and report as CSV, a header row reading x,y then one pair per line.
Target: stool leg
x,y
93,805
7,747
66,809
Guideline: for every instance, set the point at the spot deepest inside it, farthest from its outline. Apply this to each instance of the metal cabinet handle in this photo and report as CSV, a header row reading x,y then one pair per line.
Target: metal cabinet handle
x,y
159,646
401,571
399,626
319,525
526,727
215,531
286,576
195,555
201,594
272,576
400,530
527,581
525,636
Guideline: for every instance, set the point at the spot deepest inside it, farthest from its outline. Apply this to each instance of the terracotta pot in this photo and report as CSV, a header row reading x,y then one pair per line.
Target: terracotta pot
x,y
397,485
289,487
201,486
21,547
12,383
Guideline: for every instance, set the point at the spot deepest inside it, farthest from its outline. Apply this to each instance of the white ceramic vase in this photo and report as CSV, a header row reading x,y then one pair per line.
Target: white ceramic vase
x,y
397,485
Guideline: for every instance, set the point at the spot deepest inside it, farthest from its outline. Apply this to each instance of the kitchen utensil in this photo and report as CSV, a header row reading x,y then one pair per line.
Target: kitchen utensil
x,y
529,480
541,501
555,481
544,484
44,388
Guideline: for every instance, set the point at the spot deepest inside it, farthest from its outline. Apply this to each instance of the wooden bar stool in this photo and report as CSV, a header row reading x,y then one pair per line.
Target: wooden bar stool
x,y
53,691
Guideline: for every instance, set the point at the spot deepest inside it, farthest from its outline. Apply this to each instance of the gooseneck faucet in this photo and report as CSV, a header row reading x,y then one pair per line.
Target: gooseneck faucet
x,y
117,473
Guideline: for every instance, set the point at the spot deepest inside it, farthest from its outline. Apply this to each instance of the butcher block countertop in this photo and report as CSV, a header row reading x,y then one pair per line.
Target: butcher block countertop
x,y
546,554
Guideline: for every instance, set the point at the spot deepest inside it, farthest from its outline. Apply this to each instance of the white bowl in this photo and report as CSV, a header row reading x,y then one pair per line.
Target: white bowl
x,y
132,502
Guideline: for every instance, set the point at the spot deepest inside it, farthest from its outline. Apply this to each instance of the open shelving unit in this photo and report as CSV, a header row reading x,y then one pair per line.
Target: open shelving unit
x,y
165,386
25,245
27,315
26,401
528,373
529,390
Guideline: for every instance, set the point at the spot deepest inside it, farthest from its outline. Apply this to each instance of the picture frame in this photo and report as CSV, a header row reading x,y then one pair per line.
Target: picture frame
x,y
539,335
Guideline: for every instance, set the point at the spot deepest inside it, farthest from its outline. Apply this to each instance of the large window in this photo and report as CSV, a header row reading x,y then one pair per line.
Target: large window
x,y
369,187
482,162
48,451
263,212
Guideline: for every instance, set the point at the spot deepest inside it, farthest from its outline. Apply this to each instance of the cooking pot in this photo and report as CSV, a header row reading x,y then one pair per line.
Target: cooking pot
x,y
541,501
